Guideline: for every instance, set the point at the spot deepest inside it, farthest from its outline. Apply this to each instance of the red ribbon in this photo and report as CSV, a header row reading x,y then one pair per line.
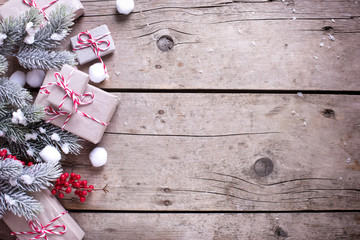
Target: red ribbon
x,y
77,99
94,43
32,3
41,230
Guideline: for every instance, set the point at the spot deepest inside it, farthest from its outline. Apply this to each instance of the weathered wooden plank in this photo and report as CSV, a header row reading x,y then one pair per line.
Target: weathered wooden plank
x,y
231,45
197,152
217,226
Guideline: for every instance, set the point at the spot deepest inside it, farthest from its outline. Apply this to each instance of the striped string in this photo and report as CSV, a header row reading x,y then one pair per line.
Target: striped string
x,y
41,230
94,43
77,100
32,3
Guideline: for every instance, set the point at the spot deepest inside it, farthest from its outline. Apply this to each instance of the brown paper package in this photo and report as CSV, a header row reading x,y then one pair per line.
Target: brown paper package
x,y
17,7
52,208
78,83
86,55
103,108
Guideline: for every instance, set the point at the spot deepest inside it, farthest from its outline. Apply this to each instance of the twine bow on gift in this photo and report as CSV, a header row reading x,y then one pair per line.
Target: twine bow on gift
x,y
76,98
41,230
94,43
32,3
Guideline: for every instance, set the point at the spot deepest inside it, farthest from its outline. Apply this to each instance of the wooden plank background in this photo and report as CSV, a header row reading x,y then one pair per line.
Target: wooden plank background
x,y
193,121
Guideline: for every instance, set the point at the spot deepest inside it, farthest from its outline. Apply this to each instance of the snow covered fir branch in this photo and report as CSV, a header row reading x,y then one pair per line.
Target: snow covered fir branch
x,y
16,180
30,41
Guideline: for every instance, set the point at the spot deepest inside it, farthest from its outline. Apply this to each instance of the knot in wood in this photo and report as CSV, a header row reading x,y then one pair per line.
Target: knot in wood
x,y
165,43
263,167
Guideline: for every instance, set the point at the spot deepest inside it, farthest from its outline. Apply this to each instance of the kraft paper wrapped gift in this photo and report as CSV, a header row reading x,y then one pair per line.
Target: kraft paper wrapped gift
x,y
77,82
87,54
102,108
52,209
17,7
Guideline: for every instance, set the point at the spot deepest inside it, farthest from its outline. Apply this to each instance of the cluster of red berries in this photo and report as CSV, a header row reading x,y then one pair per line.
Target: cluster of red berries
x,y
4,155
67,181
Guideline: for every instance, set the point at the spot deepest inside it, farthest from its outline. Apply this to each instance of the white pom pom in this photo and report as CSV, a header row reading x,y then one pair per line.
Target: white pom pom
x,y
97,73
13,182
98,157
125,6
27,179
50,154
35,78
30,38
18,77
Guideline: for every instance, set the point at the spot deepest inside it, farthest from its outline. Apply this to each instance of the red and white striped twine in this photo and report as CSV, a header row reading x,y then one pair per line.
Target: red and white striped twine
x,y
94,43
77,99
41,230
32,3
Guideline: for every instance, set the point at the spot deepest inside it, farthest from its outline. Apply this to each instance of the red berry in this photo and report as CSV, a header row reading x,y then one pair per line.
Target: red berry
x,y
82,199
3,153
72,175
9,156
54,191
58,181
61,195
66,174
84,193
23,163
57,187
68,190
90,188
76,184
62,177
84,183
78,176
66,184
30,164
77,192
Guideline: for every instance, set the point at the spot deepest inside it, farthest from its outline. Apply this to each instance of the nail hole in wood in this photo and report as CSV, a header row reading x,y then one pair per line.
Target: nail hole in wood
x,y
167,203
280,233
165,43
263,167
329,113
328,29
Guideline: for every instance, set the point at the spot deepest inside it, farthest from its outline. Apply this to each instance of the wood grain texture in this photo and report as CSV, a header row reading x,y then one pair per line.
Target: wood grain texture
x,y
231,44
300,226
197,152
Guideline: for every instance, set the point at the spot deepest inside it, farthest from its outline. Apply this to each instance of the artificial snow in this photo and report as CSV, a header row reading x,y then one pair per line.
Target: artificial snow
x,y
30,136
27,179
55,137
31,31
2,133
98,157
18,77
97,73
9,200
18,118
42,130
13,182
30,152
50,154
35,78
321,44
125,6
65,148
58,36
331,37
2,38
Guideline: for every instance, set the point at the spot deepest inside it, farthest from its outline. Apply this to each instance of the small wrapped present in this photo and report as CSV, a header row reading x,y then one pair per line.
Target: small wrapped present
x,y
17,7
92,110
61,98
93,44
53,223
